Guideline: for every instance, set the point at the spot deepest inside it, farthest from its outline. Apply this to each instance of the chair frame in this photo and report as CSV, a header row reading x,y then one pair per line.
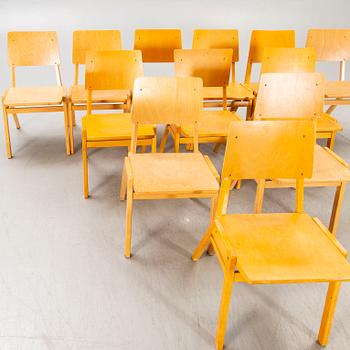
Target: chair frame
x,y
127,185
99,40
91,84
216,237
16,60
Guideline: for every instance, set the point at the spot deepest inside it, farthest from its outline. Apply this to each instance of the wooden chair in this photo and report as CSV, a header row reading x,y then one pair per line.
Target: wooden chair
x,y
273,248
94,40
333,45
237,95
33,49
111,70
166,100
289,96
213,66
157,45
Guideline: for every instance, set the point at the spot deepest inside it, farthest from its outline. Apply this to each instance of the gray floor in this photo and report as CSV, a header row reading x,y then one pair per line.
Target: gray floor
x,y
66,285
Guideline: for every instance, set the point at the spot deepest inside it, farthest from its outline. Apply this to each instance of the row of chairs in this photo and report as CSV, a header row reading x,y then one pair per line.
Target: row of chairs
x,y
162,45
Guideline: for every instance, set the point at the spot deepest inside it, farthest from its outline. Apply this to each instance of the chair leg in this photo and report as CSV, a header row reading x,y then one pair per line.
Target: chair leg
x,y
189,147
85,167
224,309
203,244
71,116
164,139
259,196
177,142
128,220
238,184
7,132
250,110
66,127
337,203
331,109
217,147
74,122
15,118
214,204
122,195
331,141
154,145
328,312
143,148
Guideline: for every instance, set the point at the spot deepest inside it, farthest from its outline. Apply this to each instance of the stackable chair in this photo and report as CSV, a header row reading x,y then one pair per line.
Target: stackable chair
x,y
33,49
300,95
157,45
166,100
273,248
333,45
94,40
111,70
213,66
298,60
237,95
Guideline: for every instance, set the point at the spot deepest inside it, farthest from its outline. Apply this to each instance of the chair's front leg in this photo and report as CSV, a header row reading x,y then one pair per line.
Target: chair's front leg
x,y
85,164
128,219
71,119
7,132
337,203
328,312
15,118
331,141
123,184
259,196
164,139
203,244
224,306
66,126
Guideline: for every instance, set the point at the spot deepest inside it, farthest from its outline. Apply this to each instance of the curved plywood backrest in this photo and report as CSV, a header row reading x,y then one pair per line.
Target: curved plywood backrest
x,y
330,44
94,40
167,100
212,65
269,150
112,70
260,39
288,60
290,95
217,39
33,49
157,45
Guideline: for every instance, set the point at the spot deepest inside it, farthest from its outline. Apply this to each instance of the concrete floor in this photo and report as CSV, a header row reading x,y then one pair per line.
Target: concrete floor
x,y
65,283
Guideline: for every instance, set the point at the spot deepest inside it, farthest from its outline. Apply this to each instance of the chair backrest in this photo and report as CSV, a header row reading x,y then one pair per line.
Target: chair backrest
x,y
290,96
167,100
218,39
112,70
288,60
330,45
157,45
93,40
270,150
33,49
260,39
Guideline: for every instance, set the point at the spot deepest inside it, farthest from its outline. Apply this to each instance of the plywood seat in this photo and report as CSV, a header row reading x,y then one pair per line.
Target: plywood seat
x,y
328,169
34,96
327,123
78,94
281,248
235,91
172,173
212,123
337,89
104,127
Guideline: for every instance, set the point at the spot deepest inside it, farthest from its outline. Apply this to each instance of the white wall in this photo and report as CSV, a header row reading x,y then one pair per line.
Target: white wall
x,y
65,16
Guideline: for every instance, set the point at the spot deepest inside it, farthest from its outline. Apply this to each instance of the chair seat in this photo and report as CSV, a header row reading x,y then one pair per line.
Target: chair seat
x,y
337,89
78,95
284,248
110,127
328,169
34,96
326,123
172,173
234,91
213,123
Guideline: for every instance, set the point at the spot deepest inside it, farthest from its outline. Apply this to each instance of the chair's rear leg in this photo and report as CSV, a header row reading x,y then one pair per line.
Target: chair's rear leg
x,y
331,141
337,203
203,244
7,133
213,208
164,139
328,312
217,147
85,166
15,118
66,127
71,117
123,184
259,196
331,109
